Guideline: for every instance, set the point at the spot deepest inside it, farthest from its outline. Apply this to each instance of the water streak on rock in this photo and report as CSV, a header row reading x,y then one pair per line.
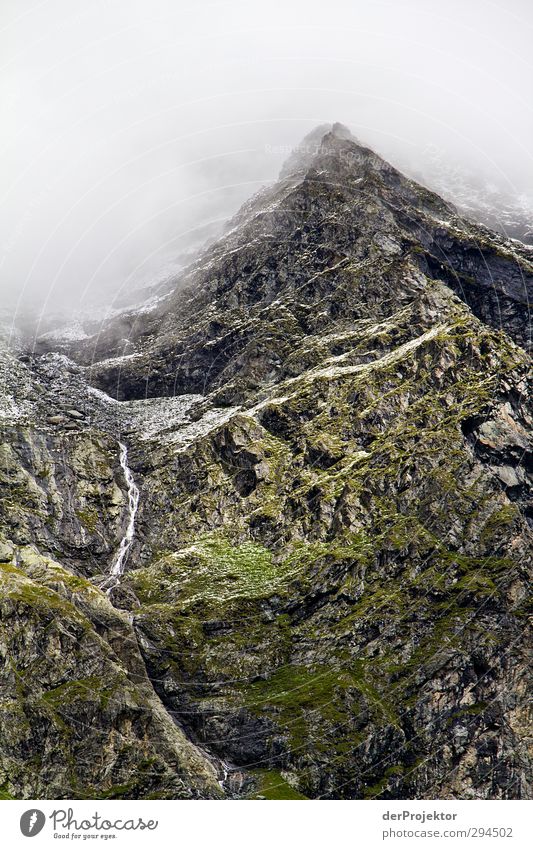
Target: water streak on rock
x,y
133,502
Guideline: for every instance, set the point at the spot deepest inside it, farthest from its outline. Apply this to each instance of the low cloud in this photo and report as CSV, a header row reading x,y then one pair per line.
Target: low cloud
x,y
135,128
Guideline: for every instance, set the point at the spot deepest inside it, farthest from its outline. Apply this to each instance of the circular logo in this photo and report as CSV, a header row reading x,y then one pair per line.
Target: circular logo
x,y
32,822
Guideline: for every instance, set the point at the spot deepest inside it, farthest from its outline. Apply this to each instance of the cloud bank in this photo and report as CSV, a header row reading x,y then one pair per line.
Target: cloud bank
x,y
134,127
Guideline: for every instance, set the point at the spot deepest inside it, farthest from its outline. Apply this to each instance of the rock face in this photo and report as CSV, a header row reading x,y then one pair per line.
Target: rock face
x,y
477,196
329,423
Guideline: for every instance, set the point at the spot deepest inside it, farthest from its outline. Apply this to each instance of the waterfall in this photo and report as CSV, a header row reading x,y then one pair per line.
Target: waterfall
x,y
133,502
225,773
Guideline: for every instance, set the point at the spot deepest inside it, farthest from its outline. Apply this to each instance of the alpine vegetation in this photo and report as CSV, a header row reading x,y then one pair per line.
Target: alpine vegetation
x,y
304,572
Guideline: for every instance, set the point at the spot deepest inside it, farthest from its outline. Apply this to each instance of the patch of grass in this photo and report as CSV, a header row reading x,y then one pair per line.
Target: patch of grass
x,y
211,570
84,690
271,785
5,795
88,519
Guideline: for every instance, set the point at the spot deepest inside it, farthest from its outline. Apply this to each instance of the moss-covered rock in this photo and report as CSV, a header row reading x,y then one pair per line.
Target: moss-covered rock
x,y
78,714
329,423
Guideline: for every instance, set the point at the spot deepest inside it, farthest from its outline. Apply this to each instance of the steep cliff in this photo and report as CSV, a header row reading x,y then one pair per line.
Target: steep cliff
x,y
328,419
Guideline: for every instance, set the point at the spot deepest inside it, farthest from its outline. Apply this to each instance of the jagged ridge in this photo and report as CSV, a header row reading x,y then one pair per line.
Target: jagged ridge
x,y
329,573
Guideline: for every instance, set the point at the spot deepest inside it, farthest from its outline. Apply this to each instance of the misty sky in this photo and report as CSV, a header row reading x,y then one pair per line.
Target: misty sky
x,y
131,124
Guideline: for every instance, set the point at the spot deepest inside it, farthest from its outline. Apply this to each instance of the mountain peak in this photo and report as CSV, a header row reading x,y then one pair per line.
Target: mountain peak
x,y
341,131
313,143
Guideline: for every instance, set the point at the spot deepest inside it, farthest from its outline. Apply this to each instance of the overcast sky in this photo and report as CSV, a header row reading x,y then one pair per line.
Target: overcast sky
x,y
132,123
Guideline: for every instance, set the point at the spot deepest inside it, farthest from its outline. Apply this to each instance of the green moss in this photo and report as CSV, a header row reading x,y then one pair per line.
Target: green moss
x,y
84,690
469,711
306,702
353,546
374,790
4,792
500,521
118,791
271,785
211,571
18,587
88,518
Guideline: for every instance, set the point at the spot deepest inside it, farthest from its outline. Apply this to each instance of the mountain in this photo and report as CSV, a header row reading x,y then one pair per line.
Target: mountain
x,y
478,197
325,584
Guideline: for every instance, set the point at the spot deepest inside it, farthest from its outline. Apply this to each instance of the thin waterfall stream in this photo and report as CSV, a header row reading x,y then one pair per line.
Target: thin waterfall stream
x,y
117,568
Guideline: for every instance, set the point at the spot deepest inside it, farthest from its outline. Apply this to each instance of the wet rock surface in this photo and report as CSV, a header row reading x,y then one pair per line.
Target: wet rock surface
x,y
329,422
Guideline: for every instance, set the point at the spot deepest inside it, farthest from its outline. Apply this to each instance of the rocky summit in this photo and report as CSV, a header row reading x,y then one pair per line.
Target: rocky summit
x,y
269,534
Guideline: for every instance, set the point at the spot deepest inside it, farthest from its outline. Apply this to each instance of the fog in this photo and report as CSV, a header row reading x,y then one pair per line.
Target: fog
x,y
133,128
